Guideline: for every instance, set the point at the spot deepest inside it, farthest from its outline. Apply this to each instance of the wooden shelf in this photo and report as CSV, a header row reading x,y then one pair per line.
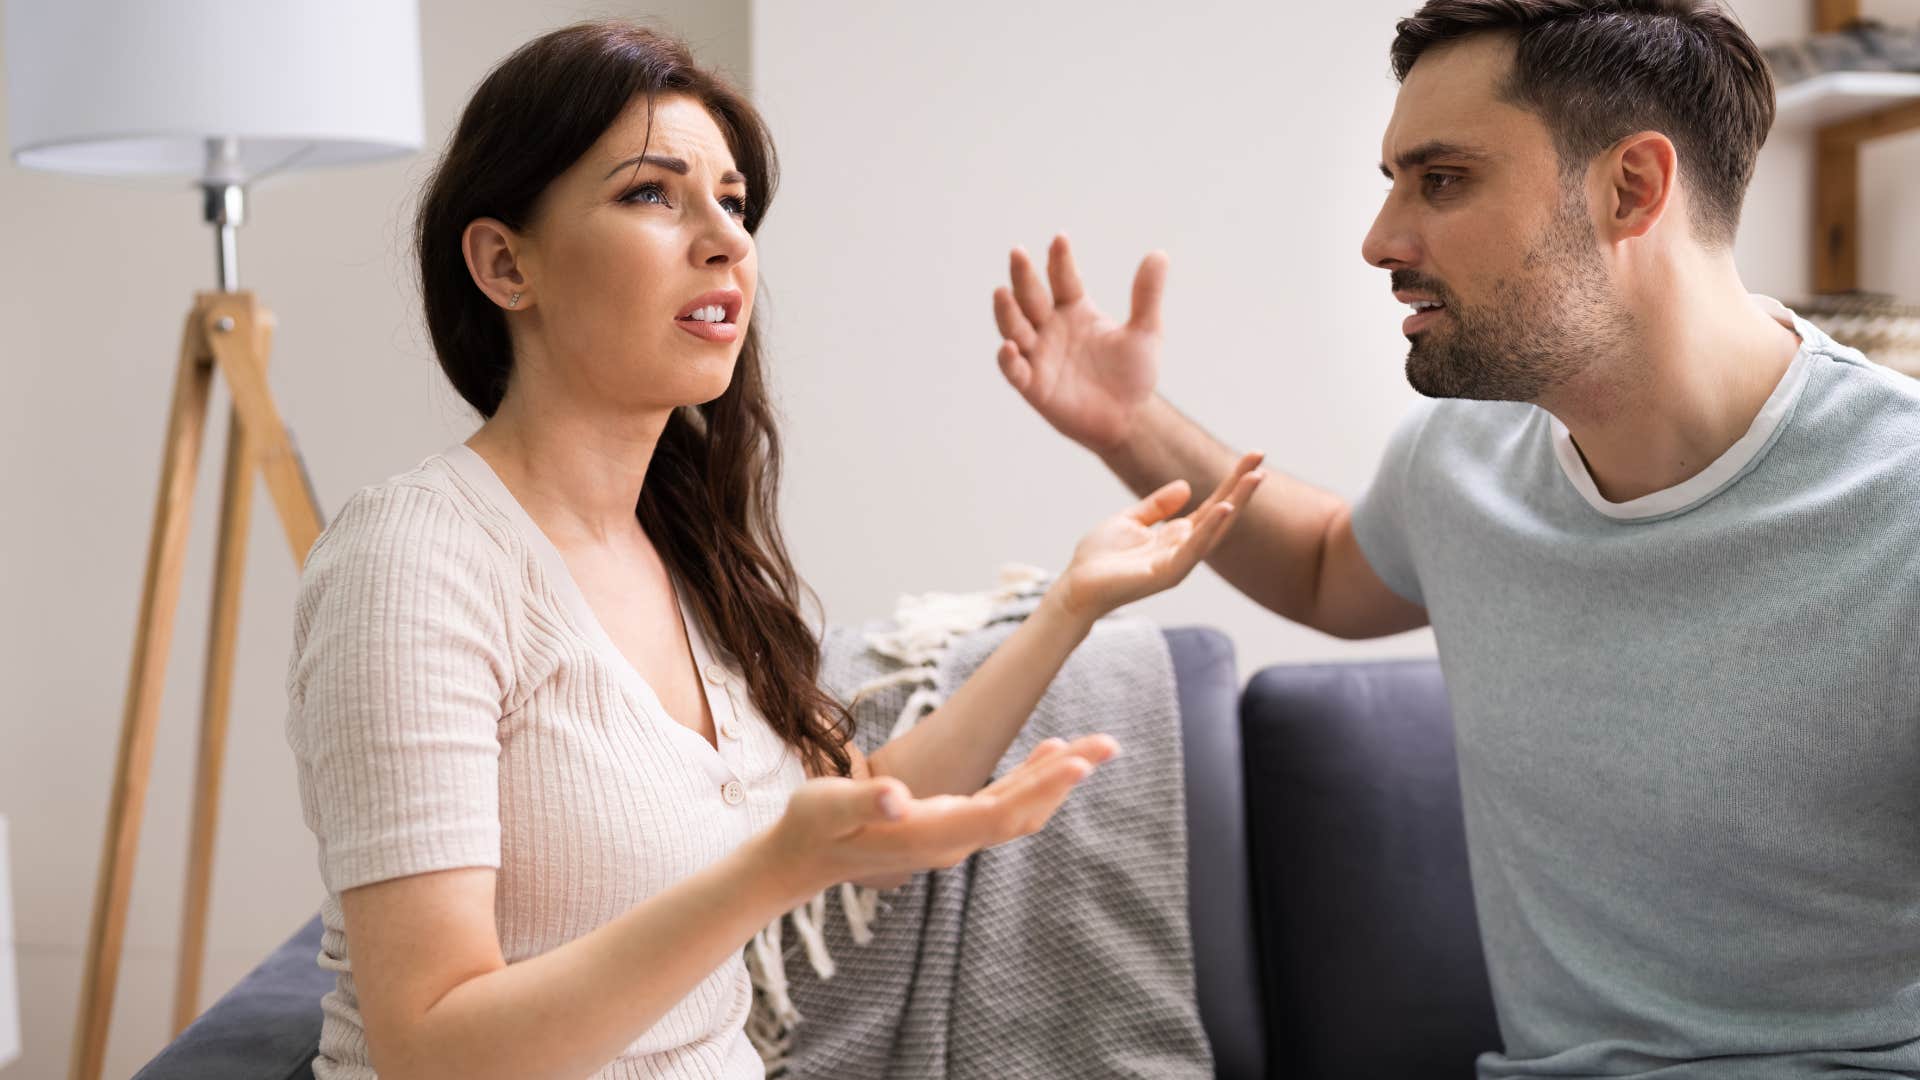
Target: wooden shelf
x,y
1838,96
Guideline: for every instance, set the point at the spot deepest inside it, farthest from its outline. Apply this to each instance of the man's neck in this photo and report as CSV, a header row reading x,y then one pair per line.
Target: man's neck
x,y
1701,362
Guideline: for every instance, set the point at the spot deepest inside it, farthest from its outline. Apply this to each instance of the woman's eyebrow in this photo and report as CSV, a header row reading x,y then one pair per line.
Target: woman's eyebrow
x,y
672,165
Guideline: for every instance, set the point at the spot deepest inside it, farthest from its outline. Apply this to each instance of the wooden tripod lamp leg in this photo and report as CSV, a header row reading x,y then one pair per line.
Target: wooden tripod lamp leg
x,y
230,561
159,600
237,331
243,351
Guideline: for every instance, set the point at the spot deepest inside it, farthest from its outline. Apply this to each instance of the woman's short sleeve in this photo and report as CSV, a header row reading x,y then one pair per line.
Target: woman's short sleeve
x,y
395,688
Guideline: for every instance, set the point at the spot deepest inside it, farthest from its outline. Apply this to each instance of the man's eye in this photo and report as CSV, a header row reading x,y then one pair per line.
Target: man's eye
x,y
1437,182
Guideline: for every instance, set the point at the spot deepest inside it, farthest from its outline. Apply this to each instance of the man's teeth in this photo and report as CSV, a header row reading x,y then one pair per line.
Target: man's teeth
x,y
1425,305
710,313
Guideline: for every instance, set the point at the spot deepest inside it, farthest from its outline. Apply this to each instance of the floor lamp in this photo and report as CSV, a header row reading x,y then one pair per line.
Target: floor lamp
x,y
221,93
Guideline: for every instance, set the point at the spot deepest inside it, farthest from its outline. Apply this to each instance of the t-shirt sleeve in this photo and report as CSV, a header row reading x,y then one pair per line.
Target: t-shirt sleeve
x,y
1382,517
395,689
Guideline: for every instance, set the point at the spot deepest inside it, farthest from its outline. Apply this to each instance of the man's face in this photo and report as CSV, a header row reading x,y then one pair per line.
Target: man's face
x,y
1480,221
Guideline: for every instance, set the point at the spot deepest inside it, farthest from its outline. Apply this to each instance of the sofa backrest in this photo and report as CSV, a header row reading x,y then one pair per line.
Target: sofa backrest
x,y
1369,950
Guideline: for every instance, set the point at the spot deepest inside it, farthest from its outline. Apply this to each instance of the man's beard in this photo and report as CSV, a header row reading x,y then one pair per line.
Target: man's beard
x,y
1540,329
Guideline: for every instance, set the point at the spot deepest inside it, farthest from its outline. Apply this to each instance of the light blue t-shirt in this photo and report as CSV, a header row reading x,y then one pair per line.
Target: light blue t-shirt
x,y
1688,728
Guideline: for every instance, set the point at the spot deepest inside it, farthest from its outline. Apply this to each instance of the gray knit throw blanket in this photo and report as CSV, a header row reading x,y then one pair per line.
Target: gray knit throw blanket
x,y
1064,954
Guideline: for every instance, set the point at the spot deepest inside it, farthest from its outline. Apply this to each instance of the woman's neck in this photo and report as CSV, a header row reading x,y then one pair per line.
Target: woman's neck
x,y
577,473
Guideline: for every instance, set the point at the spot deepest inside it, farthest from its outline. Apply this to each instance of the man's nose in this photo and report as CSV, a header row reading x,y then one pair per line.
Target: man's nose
x,y
1391,242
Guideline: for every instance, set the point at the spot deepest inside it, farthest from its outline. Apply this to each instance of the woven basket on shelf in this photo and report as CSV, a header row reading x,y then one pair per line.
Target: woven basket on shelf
x,y
1887,330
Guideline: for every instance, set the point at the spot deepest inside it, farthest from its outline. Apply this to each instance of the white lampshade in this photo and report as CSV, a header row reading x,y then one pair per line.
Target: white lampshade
x,y
9,985
138,87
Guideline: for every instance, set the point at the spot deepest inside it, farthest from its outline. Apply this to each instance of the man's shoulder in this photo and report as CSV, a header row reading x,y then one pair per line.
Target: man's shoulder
x,y
1850,397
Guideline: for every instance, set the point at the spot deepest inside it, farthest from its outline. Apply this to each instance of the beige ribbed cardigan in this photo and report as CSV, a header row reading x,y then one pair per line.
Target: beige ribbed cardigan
x,y
453,702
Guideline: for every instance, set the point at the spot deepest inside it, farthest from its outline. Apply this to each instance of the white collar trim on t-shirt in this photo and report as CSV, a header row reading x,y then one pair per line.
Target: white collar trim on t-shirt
x,y
1724,468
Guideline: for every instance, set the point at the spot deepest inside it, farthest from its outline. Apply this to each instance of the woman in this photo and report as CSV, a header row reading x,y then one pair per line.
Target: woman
x,y
552,695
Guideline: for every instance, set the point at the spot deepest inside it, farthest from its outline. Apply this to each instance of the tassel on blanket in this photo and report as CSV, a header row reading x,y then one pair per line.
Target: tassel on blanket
x,y
924,627
772,1019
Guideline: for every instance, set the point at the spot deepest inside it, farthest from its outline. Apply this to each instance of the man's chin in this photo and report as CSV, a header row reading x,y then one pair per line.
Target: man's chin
x,y
1435,374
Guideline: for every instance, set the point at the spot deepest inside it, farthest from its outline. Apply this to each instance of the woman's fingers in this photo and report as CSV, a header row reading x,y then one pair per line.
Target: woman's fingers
x,y
1229,485
1028,290
845,807
1162,504
940,831
1097,748
1045,749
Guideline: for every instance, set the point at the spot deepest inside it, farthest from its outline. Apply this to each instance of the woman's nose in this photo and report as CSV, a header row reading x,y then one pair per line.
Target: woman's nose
x,y
723,241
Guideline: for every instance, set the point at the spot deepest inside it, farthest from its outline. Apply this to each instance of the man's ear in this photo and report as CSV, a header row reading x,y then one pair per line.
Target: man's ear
x,y
1641,171
492,249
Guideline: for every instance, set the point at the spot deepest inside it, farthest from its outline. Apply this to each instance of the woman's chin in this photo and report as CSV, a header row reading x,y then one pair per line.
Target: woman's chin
x,y
703,381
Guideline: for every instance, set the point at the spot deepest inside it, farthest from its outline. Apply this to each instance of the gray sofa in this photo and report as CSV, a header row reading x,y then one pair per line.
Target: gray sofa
x,y
1333,924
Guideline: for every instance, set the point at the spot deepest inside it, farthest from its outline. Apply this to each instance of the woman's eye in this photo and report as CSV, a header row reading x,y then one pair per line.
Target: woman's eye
x,y
735,205
648,192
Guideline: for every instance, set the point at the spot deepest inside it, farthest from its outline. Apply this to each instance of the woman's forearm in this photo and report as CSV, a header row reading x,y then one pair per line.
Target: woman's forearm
x,y
568,1012
953,749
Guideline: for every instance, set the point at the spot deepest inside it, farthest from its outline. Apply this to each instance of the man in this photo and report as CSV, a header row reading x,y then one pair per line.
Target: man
x,y
1667,534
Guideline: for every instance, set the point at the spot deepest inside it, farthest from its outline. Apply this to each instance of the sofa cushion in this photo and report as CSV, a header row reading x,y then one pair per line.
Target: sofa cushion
x,y
1369,949
1219,898
266,1028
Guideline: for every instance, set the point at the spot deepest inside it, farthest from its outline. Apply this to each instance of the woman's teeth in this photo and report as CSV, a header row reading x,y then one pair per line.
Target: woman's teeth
x,y
711,313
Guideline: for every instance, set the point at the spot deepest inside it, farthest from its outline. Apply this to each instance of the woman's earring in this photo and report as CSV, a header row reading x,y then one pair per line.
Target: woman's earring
x,y
514,300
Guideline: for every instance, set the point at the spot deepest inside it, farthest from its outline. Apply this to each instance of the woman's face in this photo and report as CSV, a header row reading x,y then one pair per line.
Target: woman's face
x,y
640,268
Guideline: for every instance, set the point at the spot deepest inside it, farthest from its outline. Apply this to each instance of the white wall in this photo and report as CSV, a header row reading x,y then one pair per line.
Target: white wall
x,y
91,304
919,141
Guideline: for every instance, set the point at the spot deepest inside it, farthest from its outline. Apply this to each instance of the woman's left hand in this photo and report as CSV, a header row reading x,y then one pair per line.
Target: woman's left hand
x,y
1144,550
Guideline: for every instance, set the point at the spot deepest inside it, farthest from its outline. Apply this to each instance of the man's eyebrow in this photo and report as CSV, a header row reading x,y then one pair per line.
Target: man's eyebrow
x,y
672,165
1431,151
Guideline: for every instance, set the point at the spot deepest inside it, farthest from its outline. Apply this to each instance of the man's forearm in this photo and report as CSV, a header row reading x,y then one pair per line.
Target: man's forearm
x,y
1275,553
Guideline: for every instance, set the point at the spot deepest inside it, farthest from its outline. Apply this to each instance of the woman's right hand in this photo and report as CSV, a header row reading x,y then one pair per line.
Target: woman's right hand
x,y
1089,376
837,829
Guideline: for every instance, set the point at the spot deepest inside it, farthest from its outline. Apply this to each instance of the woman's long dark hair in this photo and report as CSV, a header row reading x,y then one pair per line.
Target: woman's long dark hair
x,y
710,499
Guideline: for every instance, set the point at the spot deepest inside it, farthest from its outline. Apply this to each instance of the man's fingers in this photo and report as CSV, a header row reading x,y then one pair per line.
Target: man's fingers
x,y
1062,274
1028,290
1162,503
1012,322
1015,366
1149,283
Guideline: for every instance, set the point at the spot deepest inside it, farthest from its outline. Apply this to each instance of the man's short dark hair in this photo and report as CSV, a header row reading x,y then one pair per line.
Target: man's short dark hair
x,y
1596,71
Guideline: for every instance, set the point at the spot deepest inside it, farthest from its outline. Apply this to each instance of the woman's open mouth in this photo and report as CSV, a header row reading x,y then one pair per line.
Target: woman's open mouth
x,y
712,316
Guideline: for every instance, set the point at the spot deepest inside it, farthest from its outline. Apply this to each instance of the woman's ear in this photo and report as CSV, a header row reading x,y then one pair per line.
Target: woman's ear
x,y
492,249
1641,170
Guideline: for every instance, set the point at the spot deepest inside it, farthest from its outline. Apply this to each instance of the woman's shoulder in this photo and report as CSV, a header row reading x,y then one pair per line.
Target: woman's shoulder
x,y
424,516
408,564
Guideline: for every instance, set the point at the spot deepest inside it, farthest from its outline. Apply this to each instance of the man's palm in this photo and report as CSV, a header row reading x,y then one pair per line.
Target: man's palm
x,y
1086,374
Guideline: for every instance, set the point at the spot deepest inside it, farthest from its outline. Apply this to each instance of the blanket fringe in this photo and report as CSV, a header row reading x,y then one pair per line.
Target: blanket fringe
x,y
924,627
